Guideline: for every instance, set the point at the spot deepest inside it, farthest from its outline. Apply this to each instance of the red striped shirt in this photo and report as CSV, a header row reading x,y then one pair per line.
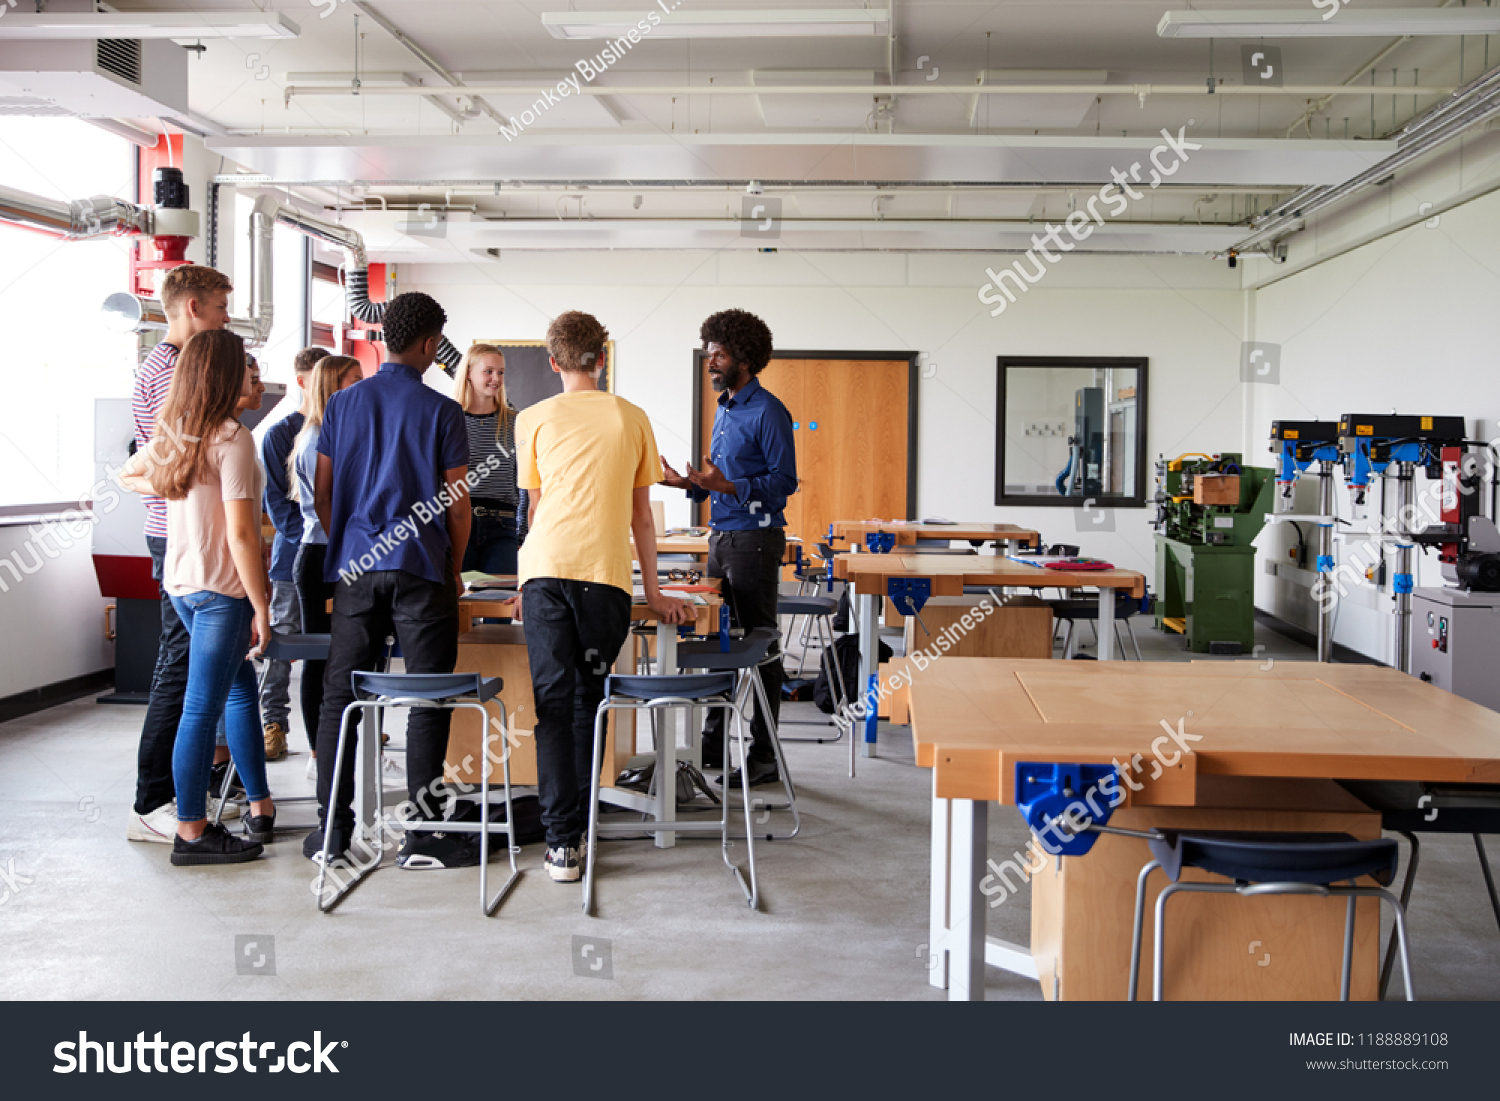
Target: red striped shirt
x,y
152,381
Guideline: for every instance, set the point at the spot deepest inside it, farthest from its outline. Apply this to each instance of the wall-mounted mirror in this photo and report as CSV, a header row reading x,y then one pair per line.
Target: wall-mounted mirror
x,y
1071,429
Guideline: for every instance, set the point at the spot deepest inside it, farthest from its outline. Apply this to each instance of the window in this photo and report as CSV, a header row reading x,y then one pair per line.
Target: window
x,y
58,356
1071,430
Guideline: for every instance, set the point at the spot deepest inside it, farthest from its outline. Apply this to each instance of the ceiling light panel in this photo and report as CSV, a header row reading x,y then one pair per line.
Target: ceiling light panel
x,y
683,23
1329,22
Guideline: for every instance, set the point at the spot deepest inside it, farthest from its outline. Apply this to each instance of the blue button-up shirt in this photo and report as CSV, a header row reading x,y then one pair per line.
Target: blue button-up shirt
x,y
391,439
275,446
753,446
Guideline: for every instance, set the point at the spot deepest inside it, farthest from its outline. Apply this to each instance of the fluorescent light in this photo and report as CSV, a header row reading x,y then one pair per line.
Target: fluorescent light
x,y
682,23
192,25
1329,22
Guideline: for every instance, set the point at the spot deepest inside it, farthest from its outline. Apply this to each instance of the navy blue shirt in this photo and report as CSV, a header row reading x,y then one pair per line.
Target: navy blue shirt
x,y
753,447
275,446
391,439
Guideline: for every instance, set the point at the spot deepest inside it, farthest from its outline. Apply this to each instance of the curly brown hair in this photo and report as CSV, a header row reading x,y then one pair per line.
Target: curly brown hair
x,y
576,340
744,336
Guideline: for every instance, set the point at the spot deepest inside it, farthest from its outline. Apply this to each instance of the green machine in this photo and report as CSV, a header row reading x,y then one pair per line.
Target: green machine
x,y
1208,512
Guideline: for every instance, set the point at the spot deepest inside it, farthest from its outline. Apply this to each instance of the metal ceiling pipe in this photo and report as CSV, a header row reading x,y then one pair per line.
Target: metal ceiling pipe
x,y
330,234
432,63
78,220
1479,102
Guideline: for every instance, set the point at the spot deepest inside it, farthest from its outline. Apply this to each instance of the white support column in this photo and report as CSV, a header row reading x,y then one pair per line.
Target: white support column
x,y
669,723
966,906
937,897
1106,624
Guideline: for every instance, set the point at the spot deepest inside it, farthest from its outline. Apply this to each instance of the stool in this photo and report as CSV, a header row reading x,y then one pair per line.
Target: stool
x,y
1088,610
654,693
446,691
820,610
1269,864
745,656
294,647
1410,808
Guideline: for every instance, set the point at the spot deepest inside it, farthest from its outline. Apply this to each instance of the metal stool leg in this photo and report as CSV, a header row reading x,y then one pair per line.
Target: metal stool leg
x,y
1406,885
1136,646
786,776
752,892
1159,944
1135,940
488,905
327,905
600,717
1348,948
830,668
1489,879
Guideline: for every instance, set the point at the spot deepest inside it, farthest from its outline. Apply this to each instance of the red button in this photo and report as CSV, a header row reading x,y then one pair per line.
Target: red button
x,y
1434,644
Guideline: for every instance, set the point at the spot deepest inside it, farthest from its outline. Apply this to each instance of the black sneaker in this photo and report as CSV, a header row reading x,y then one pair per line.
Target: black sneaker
x,y
312,846
761,772
216,782
564,863
426,850
215,846
259,827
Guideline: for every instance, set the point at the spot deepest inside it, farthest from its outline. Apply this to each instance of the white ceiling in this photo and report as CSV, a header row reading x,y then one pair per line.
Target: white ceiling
x,y
808,142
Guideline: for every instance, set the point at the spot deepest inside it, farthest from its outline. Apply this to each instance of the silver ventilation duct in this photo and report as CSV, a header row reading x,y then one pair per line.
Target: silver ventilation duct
x,y
79,220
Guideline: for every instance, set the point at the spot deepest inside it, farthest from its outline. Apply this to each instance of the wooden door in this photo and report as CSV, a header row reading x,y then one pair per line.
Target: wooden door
x,y
852,420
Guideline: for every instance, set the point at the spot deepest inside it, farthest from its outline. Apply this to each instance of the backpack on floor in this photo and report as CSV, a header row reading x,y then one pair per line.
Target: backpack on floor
x,y
528,808
846,653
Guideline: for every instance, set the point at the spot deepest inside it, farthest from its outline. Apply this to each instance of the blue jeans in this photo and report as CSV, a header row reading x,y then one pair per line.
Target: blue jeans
x,y
493,546
220,681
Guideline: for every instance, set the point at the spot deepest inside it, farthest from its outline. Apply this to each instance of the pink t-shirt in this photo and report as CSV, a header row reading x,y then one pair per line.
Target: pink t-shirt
x,y
198,557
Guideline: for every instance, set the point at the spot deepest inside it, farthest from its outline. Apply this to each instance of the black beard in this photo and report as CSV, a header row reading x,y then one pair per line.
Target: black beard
x,y
718,383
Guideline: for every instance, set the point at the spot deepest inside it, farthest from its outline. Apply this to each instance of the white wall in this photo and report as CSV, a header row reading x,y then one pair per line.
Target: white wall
x,y
1184,314
51,619
1407,322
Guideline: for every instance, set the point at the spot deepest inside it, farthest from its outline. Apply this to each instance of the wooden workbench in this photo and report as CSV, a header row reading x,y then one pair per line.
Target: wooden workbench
x,y
1273,736
907,532
870,576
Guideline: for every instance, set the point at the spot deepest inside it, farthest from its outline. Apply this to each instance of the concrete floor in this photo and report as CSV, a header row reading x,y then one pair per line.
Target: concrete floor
x,y
844,906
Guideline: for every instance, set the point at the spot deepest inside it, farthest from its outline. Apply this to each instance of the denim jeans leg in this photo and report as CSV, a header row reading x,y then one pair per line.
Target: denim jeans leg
x,y
164,711
219,635
246,735
286,619
749,564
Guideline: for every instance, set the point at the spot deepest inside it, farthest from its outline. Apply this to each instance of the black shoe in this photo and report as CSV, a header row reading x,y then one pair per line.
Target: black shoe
x,y
216,846
565,862
259,827
761,772
312,846
425,850
216,782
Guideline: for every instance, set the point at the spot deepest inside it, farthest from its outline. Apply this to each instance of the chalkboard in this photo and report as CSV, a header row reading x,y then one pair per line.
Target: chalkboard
x,y
529,377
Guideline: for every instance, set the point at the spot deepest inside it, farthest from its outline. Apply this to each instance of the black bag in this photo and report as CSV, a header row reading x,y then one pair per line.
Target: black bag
x,y
846,653
528,808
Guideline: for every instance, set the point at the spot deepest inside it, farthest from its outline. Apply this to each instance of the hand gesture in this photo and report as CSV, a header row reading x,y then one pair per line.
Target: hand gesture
x,y
710,478
671,478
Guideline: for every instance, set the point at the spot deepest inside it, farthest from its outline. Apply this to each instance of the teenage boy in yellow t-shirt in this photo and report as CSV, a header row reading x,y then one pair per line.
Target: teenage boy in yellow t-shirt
x,y
588,460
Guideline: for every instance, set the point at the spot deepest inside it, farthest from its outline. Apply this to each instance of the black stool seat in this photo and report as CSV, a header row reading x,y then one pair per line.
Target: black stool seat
x,y
1089,609
1263,857
427,686
695,687
806,605
298,647
743,653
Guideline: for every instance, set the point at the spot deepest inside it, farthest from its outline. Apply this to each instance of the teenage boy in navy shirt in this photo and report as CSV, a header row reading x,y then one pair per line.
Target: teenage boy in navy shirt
x,y
390,490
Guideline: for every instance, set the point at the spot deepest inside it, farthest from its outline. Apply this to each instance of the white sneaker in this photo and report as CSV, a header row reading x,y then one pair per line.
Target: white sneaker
x,y
312,768
231,810
160,825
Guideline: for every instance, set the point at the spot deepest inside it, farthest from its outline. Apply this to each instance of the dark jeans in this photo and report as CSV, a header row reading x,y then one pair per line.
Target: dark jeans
x,y
314,594
492,545
153,781
366,610
574,631
749,562
221,685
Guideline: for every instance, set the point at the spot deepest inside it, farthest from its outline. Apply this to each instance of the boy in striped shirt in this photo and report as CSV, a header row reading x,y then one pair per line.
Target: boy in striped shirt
x,y
195,299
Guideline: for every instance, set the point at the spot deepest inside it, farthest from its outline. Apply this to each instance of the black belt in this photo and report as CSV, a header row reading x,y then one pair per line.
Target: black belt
x,y
484,506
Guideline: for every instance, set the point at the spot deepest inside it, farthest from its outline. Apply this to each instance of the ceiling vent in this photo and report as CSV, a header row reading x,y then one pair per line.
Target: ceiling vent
x,y
95,78
122,57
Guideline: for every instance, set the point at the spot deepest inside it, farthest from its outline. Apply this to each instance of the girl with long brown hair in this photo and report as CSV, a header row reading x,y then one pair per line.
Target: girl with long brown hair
x,y
203,462
496,534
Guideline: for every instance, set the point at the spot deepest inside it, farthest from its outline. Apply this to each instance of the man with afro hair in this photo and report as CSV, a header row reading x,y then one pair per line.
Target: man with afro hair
x,y
747,476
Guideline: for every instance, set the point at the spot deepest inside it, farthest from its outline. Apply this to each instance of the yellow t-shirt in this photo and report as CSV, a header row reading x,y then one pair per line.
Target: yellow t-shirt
x,y
586,451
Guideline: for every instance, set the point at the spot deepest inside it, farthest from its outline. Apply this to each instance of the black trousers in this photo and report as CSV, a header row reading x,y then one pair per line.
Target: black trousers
x,y
313,593
153,771
574,632
749,562
423,615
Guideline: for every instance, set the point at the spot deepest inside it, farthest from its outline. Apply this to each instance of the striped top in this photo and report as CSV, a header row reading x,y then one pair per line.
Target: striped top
x,y
152,381
495,456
